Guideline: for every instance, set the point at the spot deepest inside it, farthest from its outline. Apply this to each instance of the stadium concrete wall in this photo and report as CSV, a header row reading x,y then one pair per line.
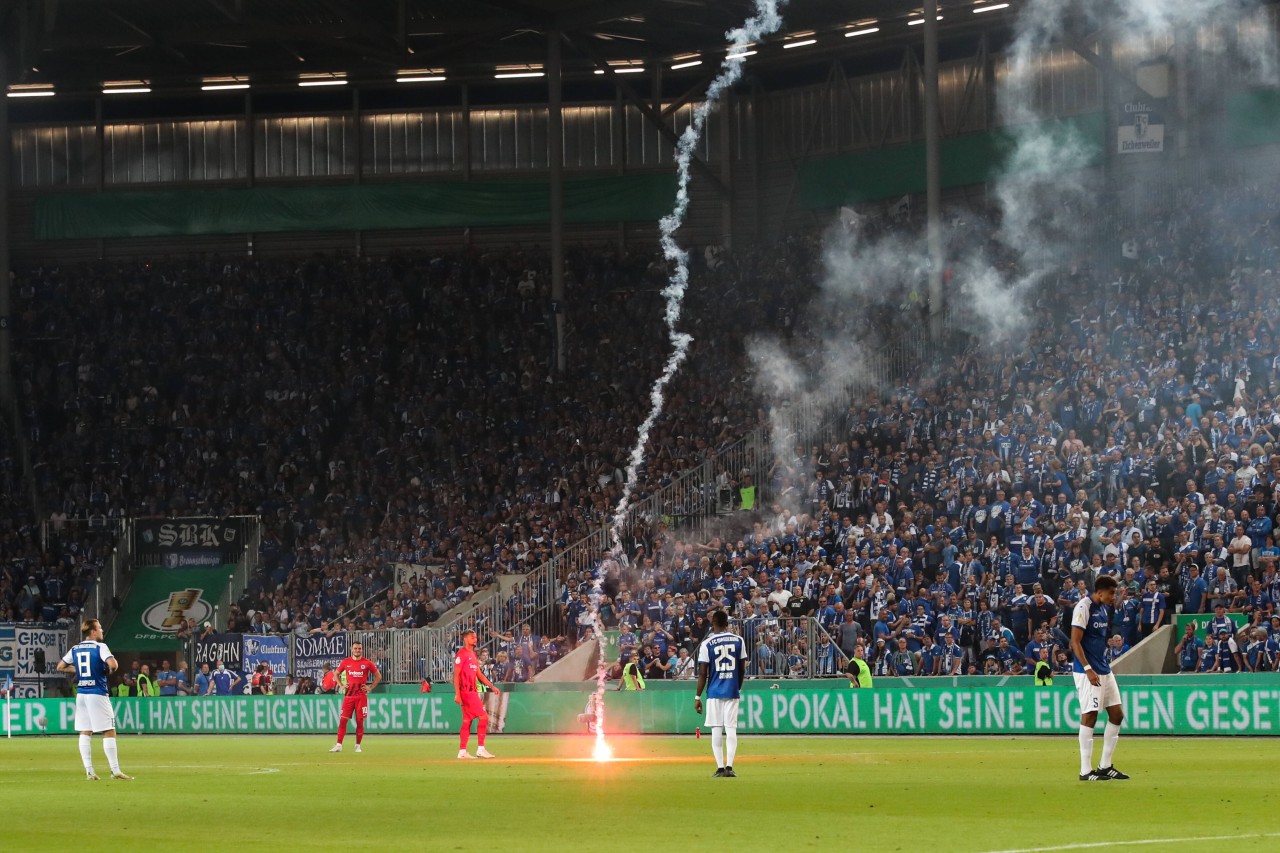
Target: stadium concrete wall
x,y
1154,705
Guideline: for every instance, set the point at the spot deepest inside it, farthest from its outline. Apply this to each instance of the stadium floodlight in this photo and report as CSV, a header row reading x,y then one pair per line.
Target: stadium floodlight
x,y
915,22
803,39
335,78
30,90
220,84
864,31
421,75
513,72
692,63
741,55
978,10
126,87
624,66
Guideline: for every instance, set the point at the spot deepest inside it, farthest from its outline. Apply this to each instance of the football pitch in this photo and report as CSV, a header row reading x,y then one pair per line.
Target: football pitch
x,y
544,793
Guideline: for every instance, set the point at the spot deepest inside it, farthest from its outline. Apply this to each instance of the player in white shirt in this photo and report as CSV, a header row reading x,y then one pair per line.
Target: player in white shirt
x,y
90,661
722,660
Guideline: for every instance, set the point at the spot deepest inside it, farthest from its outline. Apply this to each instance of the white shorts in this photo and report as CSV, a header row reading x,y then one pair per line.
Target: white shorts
x,y
93,713
1091,699
722,712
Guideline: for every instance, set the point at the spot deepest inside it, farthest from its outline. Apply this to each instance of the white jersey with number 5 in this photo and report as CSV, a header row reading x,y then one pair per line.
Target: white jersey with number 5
x,y
721,653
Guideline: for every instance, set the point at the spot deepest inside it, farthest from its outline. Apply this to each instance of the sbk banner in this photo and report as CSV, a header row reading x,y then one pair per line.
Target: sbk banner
x,y
271,649
310,654
177,543
228,648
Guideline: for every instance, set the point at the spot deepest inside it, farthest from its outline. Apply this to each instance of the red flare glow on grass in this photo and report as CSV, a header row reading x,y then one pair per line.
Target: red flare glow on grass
x,y
602,751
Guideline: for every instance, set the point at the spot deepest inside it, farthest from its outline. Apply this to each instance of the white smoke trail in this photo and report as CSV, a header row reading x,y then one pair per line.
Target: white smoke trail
x,y
766,21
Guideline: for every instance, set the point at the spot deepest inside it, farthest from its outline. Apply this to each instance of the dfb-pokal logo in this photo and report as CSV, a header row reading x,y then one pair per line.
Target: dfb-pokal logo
x,y
168,614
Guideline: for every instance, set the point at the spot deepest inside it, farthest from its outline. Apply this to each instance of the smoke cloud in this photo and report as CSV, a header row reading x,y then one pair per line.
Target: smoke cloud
x,y
1044,205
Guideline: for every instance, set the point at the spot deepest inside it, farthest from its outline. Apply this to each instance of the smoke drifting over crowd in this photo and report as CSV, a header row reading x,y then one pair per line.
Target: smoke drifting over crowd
x,y
1041,210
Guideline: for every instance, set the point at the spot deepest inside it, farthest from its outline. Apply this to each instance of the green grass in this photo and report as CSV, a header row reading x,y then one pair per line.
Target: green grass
x,y
409,793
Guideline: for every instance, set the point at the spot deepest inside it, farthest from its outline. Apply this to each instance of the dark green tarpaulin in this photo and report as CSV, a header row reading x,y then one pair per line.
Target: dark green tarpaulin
x,y
365,207
970,159
1253,118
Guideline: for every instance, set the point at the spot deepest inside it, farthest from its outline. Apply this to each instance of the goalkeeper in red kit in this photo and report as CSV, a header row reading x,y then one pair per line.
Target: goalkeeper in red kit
x,y
466,672
359,675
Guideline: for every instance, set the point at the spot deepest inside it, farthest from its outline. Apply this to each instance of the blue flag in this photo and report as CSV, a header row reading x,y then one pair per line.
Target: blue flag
x,y
8,683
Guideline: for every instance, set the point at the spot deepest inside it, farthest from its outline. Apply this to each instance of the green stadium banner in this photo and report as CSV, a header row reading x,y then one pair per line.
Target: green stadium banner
x,y
1232,706
970,159
360,207
1202,619
158,600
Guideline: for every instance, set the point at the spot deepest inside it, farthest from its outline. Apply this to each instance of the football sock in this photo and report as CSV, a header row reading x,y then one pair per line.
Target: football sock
x,y
1086,750
481,727
109,747
359,729
1110,735
86,752
464,736
342,728
730,746
717,744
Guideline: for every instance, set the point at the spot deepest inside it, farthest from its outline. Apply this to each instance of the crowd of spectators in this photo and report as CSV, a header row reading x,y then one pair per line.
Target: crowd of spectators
x,y
371,411
407,410
955,521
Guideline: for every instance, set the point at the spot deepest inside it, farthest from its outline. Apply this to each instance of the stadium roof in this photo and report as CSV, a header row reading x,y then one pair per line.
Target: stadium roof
x,y
179,44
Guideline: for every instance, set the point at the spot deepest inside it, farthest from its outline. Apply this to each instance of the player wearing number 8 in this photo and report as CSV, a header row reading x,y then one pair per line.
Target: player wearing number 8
x,y
90,661
722,660
1095,684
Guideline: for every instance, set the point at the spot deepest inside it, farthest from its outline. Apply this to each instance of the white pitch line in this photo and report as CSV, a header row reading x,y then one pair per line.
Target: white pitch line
x,y
1097,844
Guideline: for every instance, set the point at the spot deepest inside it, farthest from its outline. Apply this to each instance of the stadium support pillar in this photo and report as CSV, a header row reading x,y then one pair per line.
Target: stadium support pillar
x,y
466,132
100,143
933,170
357,151
1108,110
728,136
6,284
555,150
1183,50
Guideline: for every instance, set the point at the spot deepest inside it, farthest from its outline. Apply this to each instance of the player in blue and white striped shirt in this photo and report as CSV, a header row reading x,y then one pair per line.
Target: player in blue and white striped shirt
x,y
722,659
90,661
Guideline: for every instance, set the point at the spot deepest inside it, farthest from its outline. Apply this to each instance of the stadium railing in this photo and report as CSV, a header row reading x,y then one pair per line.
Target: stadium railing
x,y
788,647
251,530
795,644
116,573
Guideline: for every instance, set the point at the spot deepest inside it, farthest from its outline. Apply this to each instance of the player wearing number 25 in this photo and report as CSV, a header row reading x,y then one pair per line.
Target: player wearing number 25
x,y
90,661
722,662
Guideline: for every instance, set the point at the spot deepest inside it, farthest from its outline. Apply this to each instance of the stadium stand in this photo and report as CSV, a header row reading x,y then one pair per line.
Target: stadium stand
x,y
402,410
